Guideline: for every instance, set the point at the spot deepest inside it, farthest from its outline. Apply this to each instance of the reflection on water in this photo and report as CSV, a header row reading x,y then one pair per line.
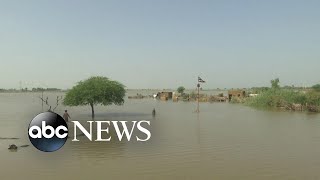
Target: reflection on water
x,y
224,141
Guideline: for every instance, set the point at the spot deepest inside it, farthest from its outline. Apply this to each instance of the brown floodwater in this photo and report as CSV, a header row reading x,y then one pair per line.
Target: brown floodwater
x,y
224,141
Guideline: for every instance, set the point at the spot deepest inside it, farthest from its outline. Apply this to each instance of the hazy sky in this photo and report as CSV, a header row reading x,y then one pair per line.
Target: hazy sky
x,y
159,44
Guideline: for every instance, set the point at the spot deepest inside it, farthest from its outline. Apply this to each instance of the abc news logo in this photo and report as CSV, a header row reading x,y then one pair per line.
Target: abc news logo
x,y
48,131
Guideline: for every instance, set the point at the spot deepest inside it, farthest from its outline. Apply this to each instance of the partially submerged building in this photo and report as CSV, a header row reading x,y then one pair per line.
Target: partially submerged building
x,y
236,93
164,95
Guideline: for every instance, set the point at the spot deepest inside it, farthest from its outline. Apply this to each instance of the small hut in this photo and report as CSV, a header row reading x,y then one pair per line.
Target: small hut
x,y
236,93
165,95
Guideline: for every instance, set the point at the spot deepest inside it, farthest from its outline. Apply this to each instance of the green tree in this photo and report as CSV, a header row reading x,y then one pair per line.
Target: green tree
x,y
316,87
275,83
181,89
95,90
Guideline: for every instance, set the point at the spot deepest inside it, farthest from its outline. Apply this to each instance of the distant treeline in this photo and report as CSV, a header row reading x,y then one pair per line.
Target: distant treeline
x,y
258,90
31,90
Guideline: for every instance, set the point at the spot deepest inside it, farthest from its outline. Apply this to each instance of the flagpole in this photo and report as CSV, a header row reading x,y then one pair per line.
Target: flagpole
x,y
198,110
198,99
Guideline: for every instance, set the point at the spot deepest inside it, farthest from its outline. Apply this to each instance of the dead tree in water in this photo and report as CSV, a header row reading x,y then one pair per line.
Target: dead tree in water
x,y
46,102
59,98
57,102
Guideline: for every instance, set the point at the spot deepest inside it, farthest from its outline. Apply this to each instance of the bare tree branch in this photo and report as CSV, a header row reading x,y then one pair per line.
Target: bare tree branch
x,y
46,101
57,102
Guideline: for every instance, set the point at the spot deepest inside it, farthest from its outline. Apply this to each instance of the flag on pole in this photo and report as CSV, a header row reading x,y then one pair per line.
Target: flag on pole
x,y
200,80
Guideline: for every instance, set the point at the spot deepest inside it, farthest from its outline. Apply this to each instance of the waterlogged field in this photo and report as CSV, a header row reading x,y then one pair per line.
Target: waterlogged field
x,y
225,141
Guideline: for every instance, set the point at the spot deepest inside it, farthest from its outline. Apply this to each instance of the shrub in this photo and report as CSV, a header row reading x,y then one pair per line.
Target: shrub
x,y
277,98
316,87
181,89
313,98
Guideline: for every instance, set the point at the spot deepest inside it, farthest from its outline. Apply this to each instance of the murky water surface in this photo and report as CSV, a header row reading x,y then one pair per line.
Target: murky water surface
x,y
225,141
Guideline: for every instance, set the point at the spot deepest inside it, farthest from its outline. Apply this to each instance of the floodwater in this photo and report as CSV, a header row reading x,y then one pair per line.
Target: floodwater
x,y
224,141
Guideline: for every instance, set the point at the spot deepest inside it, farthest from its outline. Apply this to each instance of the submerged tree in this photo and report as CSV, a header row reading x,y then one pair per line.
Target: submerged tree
x,y
181,89
95,90
275,83
46,102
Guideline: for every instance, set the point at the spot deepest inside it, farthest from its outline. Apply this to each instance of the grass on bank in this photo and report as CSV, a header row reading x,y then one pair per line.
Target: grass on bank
x,y
284,98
